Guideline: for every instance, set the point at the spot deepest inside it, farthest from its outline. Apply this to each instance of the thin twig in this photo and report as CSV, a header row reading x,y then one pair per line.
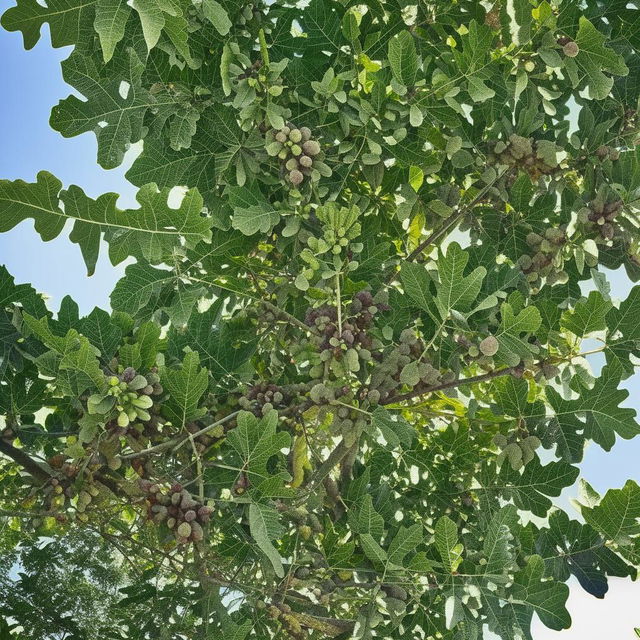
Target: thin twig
x,y
178,441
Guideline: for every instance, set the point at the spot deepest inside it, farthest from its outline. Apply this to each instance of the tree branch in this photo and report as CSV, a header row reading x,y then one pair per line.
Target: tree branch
x,y
448,225
420,391
36,469
178,441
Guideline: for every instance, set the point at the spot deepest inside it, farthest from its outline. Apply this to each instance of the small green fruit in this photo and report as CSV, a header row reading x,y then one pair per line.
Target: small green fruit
x,y
571,49
311,148
296,177
489,346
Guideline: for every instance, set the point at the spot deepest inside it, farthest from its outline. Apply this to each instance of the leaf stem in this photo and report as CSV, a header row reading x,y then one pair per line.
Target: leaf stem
x,y
339,303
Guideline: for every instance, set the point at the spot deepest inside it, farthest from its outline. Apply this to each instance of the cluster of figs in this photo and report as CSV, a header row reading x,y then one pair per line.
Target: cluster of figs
x,y
181,512
296,150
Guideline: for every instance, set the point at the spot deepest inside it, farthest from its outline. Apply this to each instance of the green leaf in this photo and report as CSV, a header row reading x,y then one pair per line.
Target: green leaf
x,y
450,550
251,211
573,548
512,346
455,290
405,541
396,432
617,515
150,232
21,396
403,58
71,358
234,631
183,128
373,550
499,554
90,425
547,598
140,284
603,416
416,284
529,489
476,46
67,19
223,345
186,387
151,15
587,316
593,60
623,321
365,519
257,441
110,21
478,90
217,16
116,120
176,26
265,526
218,139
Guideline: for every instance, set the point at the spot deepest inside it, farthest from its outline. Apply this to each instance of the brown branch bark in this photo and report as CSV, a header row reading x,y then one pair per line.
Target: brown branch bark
x,y
37,470
420,391
447,226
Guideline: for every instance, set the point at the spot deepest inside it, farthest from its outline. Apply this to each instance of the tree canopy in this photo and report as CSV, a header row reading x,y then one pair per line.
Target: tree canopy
x,y
345,376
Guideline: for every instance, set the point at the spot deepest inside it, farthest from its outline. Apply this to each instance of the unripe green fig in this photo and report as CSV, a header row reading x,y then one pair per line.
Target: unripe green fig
x,y
500,440
571,49
296,150
281,137
302,573
533,239
311,148
143,402
295,135
184,529
305,531
395,591
291,164
489,346
296,177
197,533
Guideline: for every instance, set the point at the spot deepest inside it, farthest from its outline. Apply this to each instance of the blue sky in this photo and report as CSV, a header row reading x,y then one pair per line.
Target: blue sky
x,y
32,83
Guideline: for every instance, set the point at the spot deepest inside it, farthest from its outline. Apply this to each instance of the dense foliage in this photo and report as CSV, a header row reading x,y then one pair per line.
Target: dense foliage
x,y
345,372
